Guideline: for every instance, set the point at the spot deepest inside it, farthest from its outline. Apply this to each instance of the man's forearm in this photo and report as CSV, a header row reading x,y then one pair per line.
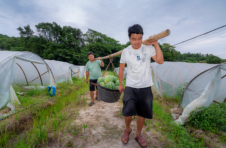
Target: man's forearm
x,y
87,75
159,55
120,75
102,63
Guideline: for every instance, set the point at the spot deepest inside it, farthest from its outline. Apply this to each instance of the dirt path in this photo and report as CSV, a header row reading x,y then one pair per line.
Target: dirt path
x,y
105,126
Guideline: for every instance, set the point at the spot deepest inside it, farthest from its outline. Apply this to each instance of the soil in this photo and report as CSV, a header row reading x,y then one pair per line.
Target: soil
x,y
105,126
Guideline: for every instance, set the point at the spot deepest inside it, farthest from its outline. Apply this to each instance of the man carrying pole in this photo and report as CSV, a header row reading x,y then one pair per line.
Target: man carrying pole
x,y
93,69
138,98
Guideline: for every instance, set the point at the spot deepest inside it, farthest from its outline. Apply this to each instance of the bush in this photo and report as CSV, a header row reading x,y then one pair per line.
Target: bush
x,y
212,118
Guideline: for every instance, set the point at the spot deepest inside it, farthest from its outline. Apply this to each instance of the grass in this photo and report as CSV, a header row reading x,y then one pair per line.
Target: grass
x,y
171,130
210,119
30,96
45,118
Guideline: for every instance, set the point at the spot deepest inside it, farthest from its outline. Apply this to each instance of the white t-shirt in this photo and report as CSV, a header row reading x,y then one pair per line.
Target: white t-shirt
x,y
138,65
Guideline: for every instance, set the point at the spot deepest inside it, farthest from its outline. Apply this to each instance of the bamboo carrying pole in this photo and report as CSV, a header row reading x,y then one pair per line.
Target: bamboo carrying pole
x,y
153,38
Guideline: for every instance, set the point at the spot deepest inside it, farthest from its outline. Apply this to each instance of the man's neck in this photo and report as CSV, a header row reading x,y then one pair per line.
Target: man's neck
x,y
92,60
137,48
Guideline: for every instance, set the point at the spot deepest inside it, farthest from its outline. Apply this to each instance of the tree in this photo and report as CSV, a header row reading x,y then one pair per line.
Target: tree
x,y
25,35
169,52
211,59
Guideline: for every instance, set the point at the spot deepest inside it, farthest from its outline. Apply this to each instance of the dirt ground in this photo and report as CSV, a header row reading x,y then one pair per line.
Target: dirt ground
x,y
105,126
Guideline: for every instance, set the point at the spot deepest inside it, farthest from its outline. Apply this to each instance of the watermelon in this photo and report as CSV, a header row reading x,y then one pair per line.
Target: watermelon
x,y
102,84
107,79
101,79
114,79
117,83
116,87
110,85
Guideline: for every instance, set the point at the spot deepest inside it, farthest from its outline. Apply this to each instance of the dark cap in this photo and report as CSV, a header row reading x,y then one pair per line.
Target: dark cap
x,y
90,52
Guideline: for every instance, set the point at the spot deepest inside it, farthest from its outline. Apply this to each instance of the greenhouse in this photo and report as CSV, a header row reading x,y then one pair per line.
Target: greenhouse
x,y
63,71
26,68
21,68
201,84
82,71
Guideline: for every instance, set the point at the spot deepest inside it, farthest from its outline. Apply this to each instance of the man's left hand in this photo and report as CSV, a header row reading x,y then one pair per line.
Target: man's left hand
x,y
153,43
99,58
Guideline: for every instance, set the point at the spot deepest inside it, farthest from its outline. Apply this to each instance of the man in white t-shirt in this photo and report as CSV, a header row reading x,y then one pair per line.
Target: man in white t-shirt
x,y
138,98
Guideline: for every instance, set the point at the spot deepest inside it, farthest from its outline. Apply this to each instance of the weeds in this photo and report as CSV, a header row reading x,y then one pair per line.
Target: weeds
x,y
212,118
84,127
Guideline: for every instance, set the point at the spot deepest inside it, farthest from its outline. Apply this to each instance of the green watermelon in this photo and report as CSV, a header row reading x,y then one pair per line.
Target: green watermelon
x,y
102,84
116,87
114,79
117,83
101,79
110,85
107,79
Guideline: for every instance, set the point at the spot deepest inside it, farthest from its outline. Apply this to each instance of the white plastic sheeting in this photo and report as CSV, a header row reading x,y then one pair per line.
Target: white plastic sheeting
x,y
62,71
8,67
169,76
29,73
124,73
212,85
82,71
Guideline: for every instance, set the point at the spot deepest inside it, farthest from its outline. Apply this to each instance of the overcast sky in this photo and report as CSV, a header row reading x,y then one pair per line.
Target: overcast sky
x,y
185,19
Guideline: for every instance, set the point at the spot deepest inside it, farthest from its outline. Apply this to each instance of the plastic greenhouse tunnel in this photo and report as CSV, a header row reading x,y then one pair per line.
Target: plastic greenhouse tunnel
x,y
63,71
32,72
21,68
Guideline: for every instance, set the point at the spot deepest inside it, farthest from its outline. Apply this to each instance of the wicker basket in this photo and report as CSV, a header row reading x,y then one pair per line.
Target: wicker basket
x,y
108,95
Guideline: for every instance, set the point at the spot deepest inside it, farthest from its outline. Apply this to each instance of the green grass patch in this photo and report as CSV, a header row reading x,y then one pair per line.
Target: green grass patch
x,y
211,119
46,119
174,132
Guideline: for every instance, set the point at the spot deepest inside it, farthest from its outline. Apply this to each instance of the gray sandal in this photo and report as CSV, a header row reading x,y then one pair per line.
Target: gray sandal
x,y
91,103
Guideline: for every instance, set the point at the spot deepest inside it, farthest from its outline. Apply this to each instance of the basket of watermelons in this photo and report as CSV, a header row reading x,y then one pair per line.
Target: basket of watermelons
x,y
108,89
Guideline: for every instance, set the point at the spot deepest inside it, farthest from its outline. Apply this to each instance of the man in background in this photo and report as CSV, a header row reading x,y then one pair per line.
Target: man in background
x,y
94,71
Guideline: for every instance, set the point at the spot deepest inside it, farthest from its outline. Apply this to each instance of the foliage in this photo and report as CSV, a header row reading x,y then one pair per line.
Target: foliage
x,y
6,43
212,118
199,58
169,52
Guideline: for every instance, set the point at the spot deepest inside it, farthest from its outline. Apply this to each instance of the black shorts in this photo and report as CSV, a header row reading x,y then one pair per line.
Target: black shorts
x,y
91,86
138,101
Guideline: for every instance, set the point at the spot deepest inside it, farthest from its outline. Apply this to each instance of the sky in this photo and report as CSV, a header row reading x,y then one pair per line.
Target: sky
x,y
185,19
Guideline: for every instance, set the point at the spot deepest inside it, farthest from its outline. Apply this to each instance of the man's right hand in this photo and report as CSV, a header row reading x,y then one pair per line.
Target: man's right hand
x,y
86,81
121,89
